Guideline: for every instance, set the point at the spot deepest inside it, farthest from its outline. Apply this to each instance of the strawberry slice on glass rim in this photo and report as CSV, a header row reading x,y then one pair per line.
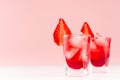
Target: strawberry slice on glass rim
x,y
87,30
60,30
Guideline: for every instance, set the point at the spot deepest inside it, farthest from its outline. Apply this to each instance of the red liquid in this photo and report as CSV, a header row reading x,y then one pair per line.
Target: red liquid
x,y
100,55
74,53
74,62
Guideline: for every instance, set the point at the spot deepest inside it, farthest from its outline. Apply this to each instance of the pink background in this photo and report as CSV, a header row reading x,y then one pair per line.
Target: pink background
x,y
26,28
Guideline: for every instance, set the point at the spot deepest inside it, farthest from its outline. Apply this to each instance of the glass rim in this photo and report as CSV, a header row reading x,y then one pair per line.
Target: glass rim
x,y
99,35
96,35
76,34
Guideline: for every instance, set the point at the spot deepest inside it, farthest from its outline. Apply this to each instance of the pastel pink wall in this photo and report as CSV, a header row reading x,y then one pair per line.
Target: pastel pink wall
x,y
26,28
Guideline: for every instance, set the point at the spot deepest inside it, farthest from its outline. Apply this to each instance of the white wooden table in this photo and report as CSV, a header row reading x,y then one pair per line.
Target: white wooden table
x,y
51,73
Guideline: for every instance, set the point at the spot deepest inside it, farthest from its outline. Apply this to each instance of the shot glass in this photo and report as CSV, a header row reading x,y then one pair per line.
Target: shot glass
x,y
99,53
76,53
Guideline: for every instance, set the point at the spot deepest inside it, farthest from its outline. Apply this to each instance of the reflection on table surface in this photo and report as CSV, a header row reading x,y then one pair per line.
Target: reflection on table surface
x,y
52,73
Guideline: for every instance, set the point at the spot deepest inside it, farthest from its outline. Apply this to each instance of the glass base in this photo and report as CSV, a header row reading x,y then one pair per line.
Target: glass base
x,y
102,69
76,72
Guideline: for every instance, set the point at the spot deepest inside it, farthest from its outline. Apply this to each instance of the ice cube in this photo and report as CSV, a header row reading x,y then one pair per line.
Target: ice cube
x,y
70,53
84,42
83,55
101,42
76,41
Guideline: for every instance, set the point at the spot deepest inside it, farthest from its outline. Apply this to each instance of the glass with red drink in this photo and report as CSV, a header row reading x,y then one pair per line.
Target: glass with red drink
x,y
76,52
100,53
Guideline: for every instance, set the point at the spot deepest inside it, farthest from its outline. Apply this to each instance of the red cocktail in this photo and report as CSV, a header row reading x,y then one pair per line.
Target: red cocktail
x,y
76,51
100,51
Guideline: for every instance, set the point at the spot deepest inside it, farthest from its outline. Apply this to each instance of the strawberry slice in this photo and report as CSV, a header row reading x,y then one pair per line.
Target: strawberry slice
x,y
86,29
60,30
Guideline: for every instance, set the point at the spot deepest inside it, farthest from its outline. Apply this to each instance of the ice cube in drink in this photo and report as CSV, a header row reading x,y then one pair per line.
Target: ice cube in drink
x,y
100,51
76,51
